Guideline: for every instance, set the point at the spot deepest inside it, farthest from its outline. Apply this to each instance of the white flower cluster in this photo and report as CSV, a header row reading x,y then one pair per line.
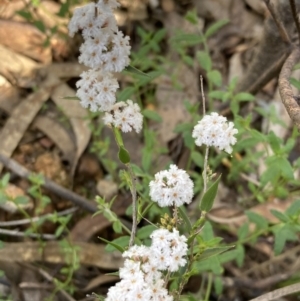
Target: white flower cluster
x,y
141,277
104,46
171,187
105,50
214,130
125,115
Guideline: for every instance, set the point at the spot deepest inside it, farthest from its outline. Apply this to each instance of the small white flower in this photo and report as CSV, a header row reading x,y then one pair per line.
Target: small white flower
x,y
171,187
81,18
126,116
96,90
214,130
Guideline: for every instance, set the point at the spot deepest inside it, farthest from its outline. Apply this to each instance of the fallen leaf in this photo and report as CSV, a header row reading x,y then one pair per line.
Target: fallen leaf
x,y
77,116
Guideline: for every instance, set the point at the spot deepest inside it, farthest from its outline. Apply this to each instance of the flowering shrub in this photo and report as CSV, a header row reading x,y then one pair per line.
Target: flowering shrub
x,y
146,271
105,50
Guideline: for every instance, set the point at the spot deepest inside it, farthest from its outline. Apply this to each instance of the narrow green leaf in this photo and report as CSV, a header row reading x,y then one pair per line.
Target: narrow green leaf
x,y
275,142
240,255
126,93
117,244
280,240
204,60
210,252
134,70
243,96
146,231
294,208
216,94
152,115
215,77
197,158
124,155
215,27
185,219
243,231
295,82
257,219
280,216
209,196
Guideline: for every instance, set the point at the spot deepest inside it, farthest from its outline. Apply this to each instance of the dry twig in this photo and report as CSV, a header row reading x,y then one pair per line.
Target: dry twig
x,y
281,292
22,172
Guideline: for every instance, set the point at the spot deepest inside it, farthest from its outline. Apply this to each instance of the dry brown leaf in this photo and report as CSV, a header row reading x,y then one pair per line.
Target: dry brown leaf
x,y
58,134
77,116
258,6
66,70
26,39
89,254
235,218
18,69
19,121
98,281
9,95
90,225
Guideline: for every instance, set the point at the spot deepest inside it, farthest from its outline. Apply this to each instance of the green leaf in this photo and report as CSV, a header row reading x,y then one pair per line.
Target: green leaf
x,y
152,115
280,216
295,82
294,208
124,155
40,26
243,231
185,219
243,96
117,226
192,16
204,60
280,240
117,244
209,196
133,70
275,142
210,252
218,285
240,255
215,77
197,158
257,219
215,27
286,168
216,94
25,14
126,93
5,180
146,231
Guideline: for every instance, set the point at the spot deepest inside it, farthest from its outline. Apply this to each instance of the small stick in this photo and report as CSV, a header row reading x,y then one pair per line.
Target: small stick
x,y
285,37
295,16
22,234
65,193
134,206
36,218
281,292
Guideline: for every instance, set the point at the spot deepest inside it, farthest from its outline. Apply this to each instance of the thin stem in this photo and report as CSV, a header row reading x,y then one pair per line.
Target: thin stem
x,y
295,16
209,284
204,174
202,95
134,205
285,37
